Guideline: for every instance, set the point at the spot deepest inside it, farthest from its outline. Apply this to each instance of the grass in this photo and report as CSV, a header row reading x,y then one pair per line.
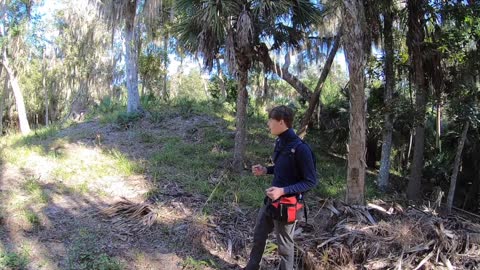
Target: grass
x,y
35,190
85,253
197,264
31,217
198,165
122,164
13,260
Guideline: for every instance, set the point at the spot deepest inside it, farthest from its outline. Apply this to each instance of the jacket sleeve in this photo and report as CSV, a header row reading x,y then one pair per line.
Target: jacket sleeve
x,y
307,172
270,169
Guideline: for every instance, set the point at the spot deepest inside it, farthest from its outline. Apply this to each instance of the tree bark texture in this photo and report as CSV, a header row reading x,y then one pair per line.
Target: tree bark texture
x,y
131,59
3,93
165,64
438,142
415,38
240,134
17,92
45,89
389,88
456,167
354,42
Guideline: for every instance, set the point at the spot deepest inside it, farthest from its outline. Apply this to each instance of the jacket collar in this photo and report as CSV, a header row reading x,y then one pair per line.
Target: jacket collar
x,y
287,135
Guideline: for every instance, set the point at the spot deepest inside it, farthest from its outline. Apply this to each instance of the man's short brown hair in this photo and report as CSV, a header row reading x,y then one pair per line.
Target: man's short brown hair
x,y
282,113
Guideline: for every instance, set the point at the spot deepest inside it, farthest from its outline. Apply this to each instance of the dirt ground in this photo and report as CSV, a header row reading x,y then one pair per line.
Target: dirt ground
x,y
71,229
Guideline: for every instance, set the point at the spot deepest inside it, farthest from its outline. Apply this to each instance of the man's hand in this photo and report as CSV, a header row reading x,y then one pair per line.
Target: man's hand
x,y
274,192
258,170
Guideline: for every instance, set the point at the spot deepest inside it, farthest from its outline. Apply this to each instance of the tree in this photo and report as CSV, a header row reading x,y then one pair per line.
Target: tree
x,y
13,20
456,166
389,88
237,29
116,12
415,39
355,44
315,97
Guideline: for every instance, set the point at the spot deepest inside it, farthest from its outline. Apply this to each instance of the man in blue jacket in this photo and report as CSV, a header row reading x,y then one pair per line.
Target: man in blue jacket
x,y
293,174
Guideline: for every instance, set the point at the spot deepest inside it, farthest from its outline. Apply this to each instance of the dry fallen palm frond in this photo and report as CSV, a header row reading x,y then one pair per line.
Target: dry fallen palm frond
x,y
384,235
131,213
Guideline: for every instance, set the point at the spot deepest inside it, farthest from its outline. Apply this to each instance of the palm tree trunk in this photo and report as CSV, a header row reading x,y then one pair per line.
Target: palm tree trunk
x,y
315,98
355,24
20,104
456,167
131,59
415,37
240,135
389,88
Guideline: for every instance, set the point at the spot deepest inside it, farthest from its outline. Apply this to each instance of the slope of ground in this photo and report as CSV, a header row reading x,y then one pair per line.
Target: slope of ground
x,y
157,193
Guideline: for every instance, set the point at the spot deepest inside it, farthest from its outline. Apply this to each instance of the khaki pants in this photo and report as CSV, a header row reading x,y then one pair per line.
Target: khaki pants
x,y
264,225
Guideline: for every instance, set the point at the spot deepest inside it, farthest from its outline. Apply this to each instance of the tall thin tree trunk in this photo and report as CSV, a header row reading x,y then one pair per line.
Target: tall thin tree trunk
x,y
265,93
204,81
415,37
165,63
20,104
112,82
240,135
131,59
456,167
354,42
221,79
315,98
45,90
389,88
438,143
2,100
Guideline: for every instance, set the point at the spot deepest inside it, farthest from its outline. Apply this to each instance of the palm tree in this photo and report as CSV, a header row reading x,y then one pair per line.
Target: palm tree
x,y
236,29
356,43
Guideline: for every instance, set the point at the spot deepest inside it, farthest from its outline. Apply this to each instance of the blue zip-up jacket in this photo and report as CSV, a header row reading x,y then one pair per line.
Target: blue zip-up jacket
x,y
293,171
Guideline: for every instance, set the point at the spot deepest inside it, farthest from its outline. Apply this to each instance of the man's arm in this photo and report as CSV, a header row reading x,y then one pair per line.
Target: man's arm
x,y
307,171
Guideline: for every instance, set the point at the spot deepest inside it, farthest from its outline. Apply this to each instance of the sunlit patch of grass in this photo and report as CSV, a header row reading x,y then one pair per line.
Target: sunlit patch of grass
x,y
19,155
81,188
33,187
16,201
63,173
123,164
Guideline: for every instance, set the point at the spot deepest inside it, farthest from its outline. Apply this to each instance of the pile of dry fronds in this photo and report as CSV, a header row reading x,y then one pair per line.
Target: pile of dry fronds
x,y
385,236
133,216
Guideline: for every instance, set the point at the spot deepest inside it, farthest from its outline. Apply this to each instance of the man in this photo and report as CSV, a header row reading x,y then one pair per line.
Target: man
x,y
294,173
